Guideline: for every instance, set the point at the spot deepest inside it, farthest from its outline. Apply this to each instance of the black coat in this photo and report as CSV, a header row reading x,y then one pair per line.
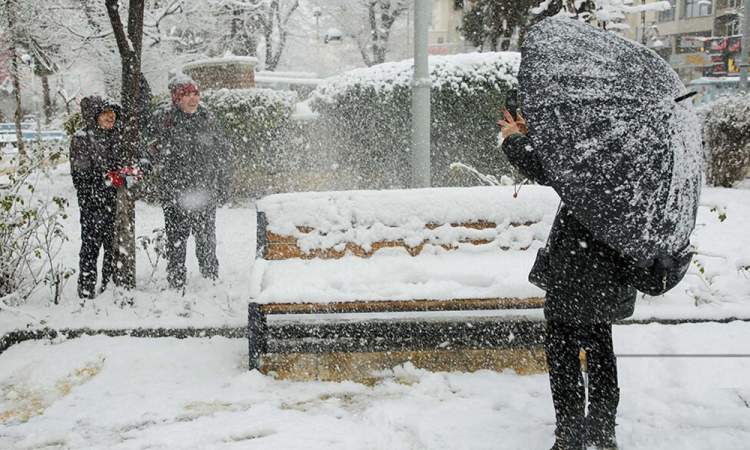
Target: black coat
x,y
191,154
586,280
93,153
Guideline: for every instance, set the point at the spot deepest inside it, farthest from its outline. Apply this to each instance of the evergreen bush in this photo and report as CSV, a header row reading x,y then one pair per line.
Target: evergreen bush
x,y
727,140
367,114
258,122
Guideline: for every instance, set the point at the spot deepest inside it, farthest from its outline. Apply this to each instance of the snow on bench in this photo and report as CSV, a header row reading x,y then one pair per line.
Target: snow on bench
x,y
438,249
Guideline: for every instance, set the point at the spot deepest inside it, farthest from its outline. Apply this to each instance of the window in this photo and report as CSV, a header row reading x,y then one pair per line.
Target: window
x,y
732,28
668,15
698,8
723,4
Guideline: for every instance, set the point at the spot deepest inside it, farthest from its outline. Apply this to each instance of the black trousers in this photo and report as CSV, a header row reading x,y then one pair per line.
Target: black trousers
x,y
562,344
97,232
179,223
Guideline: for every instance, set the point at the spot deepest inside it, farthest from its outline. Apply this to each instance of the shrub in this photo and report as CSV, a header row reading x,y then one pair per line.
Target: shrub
x,y
367,114
31,232
258,122
727,140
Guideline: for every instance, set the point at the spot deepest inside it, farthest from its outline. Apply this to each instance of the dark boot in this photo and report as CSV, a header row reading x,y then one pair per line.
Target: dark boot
x,y
604,393
204,230
568,396
177,229
86,290
562,445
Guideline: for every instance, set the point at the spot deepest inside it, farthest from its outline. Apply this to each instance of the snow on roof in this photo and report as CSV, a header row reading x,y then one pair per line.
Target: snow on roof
x,y
285,74
266,80
493,67
493,270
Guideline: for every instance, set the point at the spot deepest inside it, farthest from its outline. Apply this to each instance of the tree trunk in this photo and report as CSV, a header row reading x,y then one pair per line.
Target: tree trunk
x,y
129,46
11,10
47,99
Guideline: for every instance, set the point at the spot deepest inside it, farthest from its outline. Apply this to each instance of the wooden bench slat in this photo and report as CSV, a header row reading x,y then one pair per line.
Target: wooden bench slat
x,y
372,306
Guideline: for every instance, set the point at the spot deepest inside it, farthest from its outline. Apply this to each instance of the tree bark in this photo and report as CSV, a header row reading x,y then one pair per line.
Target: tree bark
x,y
11,10
47,99
129,47
275,21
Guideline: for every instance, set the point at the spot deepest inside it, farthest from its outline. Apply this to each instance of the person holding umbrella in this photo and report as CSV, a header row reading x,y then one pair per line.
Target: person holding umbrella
x,y
607,130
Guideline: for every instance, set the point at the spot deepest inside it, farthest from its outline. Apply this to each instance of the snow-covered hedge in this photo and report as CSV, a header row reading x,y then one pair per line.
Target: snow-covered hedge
x,y
367,114
258,122
727,140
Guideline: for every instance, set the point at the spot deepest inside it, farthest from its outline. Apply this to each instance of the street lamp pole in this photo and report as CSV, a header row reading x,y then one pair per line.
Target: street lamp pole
x,y
743,50
421,84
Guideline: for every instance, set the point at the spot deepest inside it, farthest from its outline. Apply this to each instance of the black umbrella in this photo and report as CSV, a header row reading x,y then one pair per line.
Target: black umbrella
x,y
617,143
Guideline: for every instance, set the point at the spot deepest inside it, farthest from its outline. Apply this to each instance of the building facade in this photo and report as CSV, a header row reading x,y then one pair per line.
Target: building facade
x,y
698,37
444,37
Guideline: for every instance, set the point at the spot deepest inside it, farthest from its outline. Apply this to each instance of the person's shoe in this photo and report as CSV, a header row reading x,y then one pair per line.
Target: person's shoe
x,y
560,445
600,435
602,441
605,446
86,293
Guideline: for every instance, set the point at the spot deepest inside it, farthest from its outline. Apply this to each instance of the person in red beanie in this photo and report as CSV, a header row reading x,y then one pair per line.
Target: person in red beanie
x,y
191,154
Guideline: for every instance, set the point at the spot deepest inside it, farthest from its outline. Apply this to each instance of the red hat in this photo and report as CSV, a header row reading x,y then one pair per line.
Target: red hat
x,y
179,90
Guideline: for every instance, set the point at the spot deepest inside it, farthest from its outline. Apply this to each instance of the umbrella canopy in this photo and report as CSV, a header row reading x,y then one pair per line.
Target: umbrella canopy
x,y
622,154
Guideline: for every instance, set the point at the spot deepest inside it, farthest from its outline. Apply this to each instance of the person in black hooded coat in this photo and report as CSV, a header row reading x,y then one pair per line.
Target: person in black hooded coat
x,y
588,286
94,152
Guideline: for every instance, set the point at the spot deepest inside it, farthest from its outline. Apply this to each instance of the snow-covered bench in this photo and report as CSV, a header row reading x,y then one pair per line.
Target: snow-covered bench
x,y
406,257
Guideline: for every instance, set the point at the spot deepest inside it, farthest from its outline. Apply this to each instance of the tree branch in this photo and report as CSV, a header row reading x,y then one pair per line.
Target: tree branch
x,y
117,28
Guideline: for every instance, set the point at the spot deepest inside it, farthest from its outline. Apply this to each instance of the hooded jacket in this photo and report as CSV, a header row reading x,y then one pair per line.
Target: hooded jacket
x,y
94,152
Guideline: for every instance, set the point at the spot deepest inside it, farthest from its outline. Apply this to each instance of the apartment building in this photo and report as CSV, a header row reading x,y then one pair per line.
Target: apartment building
x,y
444,37
698,37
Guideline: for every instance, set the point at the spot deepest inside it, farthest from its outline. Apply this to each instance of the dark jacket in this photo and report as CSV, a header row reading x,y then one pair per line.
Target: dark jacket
x,y
191,155
586,280
93,153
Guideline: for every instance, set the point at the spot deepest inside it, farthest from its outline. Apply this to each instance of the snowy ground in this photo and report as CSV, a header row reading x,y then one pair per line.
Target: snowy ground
x,y
131,393
99,392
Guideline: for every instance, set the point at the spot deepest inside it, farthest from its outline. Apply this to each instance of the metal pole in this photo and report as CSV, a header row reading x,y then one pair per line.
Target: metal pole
x,y
743,50
643,23
256,335
420,153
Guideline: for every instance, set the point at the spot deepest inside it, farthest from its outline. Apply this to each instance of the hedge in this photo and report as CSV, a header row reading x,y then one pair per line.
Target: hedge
x,y
367,114
727,140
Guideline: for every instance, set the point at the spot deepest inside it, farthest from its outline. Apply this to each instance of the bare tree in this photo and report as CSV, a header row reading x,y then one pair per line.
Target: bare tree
x,y
370,22
275,30
15,38
43,68
129,45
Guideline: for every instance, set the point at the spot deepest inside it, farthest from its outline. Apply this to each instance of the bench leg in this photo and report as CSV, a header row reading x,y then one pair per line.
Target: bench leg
x,y
256,334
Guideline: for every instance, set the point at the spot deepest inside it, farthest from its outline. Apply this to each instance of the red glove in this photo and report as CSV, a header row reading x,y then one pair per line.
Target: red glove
x,y
131,174
113,178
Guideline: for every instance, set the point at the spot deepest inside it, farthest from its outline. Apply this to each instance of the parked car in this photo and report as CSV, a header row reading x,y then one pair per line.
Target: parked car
x,y
333,34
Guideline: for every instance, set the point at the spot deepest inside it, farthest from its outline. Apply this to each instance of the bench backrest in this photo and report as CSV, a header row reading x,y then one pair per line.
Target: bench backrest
x,y
361,224
331,225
